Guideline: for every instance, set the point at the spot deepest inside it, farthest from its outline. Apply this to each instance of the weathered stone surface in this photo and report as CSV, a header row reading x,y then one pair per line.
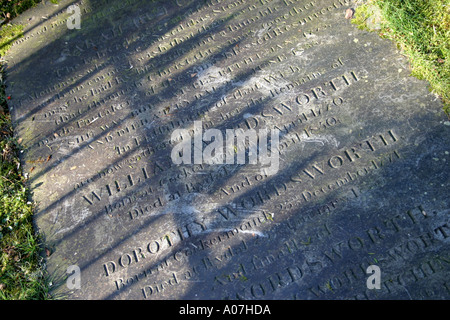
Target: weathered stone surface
x,y
363,176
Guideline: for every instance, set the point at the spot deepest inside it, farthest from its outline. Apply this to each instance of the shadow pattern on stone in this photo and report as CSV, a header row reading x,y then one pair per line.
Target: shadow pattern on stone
x,y
363,177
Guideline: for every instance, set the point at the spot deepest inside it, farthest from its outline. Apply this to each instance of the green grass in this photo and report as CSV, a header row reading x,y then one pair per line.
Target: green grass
x,y
22,275
8,34
12,8
21,272
421,29
9,9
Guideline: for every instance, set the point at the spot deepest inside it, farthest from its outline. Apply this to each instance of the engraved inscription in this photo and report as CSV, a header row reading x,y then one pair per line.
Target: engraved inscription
x,y
362,152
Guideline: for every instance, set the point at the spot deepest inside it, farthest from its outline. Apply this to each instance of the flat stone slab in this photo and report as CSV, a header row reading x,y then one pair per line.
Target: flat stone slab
x,y
358,205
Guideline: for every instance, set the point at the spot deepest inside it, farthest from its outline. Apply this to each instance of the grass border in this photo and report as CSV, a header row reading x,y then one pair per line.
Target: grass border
x,y
22,272
22,268
421,31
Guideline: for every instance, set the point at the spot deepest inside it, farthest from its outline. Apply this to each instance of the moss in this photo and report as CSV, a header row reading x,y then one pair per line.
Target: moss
x,y
367,17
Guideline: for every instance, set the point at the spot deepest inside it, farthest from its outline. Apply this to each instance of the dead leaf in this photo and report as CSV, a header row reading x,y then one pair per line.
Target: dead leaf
x,y
349,13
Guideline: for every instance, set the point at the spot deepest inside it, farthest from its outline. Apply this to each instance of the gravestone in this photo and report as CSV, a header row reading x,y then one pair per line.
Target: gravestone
x,y
357,207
